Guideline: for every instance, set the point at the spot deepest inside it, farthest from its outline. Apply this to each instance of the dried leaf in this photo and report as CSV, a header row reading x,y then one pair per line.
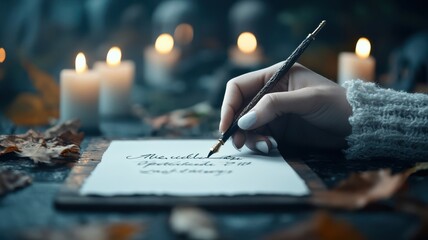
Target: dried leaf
x,y
11,180
113,231
361,189
321,226
46,86
418,167
27,109
69,126
7,145
61,141
183,118
36,108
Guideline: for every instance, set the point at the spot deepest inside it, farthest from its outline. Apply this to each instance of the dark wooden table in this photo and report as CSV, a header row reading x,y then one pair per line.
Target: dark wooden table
x,y
32,208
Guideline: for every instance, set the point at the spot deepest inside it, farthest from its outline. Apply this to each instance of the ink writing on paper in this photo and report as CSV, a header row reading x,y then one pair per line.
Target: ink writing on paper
x,y
188,156
192,163
180,168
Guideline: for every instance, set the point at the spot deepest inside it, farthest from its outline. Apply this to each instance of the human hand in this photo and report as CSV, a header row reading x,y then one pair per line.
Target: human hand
x,y
308,110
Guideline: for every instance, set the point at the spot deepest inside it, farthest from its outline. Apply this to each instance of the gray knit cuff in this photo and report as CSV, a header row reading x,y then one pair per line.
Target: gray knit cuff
x,y
386,123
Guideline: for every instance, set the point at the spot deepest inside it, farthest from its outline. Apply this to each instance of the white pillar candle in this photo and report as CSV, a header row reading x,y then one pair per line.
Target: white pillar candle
x,y
79,94
117,78
246,53
160,60
357,66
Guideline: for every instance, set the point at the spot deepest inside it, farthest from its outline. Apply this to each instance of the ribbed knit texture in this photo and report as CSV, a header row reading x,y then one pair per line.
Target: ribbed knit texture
x,y
386,123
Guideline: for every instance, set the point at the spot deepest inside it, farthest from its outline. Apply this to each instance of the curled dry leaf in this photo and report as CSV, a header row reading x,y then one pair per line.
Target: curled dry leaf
x,y
111,231
61,141
321,226
7,145
36,108
60,129
182,118
11,180
363,188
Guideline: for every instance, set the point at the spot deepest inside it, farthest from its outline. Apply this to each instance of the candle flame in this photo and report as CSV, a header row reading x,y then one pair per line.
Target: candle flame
x,y
113,56
81,63
164,43
2,55
183,33
247,42
363,47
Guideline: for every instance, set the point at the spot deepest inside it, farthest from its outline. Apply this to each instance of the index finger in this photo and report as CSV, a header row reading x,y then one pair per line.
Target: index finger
x,y
241,89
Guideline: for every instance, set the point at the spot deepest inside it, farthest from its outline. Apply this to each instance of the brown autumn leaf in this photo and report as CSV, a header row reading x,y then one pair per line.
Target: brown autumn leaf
x,y
93,231
59,142
321,226
361,189
46,86
7,145
182,118
11,180
36,108
69,126
27,109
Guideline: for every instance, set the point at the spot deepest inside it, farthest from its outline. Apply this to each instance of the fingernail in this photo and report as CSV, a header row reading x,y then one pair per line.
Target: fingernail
x,y
274,143
248,120
233,144
262,147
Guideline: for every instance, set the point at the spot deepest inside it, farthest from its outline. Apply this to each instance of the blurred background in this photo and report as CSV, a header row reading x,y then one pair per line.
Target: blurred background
x,y
40,38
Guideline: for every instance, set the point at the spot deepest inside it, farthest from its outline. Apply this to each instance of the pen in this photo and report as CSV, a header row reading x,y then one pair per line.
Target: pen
x,y
288,63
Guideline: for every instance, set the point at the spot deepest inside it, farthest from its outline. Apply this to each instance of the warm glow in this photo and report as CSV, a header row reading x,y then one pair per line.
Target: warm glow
x,y
164,43
363,48
183,33
113,56
247,42
81,63
2,55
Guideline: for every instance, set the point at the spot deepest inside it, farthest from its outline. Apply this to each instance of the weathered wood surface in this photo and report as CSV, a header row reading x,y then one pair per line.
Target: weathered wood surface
x,y
34,206
69,197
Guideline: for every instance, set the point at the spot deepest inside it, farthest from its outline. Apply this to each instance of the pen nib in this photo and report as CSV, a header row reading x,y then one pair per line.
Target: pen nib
x,y
210,153
215,148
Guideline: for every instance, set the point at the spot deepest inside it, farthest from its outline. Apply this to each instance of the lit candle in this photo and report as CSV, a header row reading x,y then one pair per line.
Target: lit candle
x,y
357,66
117,78
2,55
246,53
160,60
2,59
79,94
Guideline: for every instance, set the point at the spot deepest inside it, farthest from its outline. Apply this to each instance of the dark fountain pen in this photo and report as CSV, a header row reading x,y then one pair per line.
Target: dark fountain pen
x,y
288,63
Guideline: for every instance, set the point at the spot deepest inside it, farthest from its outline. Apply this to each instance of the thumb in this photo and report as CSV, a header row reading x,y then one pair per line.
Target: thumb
x,y
273,105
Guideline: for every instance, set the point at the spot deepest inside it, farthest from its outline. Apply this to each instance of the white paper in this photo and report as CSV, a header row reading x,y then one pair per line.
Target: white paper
x,y
180,168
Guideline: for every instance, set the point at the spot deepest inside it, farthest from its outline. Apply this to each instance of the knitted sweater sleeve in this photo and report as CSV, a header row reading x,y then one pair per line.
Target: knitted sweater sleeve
x,y
386,123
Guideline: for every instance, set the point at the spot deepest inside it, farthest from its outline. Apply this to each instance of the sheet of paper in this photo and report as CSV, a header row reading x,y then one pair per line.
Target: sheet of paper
x,y
180,168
